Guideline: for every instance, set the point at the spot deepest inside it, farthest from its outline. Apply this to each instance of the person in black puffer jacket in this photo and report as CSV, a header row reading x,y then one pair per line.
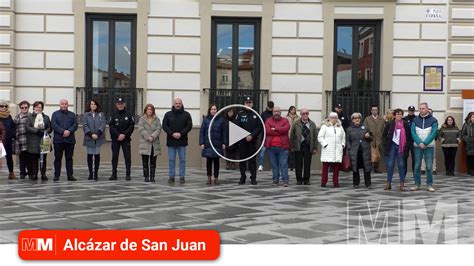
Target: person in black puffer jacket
x,y
218,137
177,123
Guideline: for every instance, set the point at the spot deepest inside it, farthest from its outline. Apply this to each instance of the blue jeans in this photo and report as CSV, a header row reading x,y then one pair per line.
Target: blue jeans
x,y
181,151
394,154
279,161
261,155
426,153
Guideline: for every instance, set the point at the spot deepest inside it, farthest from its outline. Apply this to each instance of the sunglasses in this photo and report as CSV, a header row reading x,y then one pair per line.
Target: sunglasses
x,y
3,106
305,113
24,107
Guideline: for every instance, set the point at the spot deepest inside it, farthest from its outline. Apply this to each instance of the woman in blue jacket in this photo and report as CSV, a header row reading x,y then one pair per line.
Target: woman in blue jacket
x,y
218,137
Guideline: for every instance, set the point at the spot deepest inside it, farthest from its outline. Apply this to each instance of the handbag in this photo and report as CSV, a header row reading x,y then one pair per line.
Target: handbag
x,y
346,162
45,144
15,147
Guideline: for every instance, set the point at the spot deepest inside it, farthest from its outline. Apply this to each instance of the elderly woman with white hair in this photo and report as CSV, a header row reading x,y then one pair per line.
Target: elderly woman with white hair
x,y
10,132
333,140
358,140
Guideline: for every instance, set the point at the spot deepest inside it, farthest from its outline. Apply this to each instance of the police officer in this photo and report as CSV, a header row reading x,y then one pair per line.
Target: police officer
x,y
249,121
342,116
121,128
411,151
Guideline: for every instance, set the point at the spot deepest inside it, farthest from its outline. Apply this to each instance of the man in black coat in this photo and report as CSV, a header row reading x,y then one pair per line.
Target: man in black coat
x,y
177,123
249,121
121,125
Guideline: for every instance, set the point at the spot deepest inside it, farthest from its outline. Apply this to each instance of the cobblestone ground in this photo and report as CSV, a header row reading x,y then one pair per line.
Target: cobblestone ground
x,y
242,214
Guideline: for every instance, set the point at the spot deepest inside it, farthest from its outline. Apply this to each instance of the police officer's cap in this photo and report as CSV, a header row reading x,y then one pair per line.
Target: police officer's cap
x,y
248,99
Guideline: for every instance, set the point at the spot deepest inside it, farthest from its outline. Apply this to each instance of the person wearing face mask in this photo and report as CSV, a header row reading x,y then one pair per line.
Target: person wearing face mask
x,y
149,127
218,136
277,144
332,138
358,140
10,131
37,126
20,120
375,124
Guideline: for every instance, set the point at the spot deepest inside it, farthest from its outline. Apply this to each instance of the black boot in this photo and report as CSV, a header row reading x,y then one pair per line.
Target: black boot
x,y
152,173
367,180
356,179
114,175
146,170
96,166
152,168
89,165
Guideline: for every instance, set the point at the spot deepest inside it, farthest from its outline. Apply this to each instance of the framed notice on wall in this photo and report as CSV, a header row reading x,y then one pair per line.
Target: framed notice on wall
x,y
433,78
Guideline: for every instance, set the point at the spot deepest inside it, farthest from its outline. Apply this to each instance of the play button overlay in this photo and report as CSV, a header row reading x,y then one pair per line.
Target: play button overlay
x,y
236,133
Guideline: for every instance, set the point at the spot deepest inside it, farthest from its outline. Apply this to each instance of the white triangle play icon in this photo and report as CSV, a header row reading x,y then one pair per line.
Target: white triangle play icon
x,y
236,133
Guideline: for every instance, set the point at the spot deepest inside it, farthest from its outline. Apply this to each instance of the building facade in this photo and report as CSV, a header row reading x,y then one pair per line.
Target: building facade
x,y
306,53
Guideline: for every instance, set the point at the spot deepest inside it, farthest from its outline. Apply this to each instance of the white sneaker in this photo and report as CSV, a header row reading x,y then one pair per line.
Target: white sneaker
x,y
260,168
431,189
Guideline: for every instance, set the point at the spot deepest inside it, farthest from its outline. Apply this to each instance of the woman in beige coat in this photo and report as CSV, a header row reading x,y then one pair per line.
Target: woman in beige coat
x,y
149,127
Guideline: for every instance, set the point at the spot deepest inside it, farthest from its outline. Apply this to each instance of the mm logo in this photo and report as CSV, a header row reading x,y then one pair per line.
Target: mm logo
x,y
36,244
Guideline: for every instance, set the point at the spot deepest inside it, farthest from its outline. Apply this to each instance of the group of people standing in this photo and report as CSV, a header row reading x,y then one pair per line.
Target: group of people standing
x,y
290,142
22,135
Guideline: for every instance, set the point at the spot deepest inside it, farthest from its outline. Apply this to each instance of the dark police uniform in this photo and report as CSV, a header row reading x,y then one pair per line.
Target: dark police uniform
x,y
411,150
121,122
249,121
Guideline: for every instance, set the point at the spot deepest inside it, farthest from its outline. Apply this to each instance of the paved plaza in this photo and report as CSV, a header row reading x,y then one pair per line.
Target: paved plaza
x,y
242,214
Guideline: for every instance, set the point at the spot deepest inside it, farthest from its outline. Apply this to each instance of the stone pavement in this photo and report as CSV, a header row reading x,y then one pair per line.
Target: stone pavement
x,y
242,214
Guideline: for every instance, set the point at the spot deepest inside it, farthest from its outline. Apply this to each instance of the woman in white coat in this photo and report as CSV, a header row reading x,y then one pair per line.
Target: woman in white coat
x,y
333,140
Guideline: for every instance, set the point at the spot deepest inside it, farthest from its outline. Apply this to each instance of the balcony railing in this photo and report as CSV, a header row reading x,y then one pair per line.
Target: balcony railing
x,y
107,98
224,97
358,101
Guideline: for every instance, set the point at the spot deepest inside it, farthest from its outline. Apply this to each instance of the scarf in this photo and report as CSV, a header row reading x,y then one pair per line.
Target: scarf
x,y
403,139
5,114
